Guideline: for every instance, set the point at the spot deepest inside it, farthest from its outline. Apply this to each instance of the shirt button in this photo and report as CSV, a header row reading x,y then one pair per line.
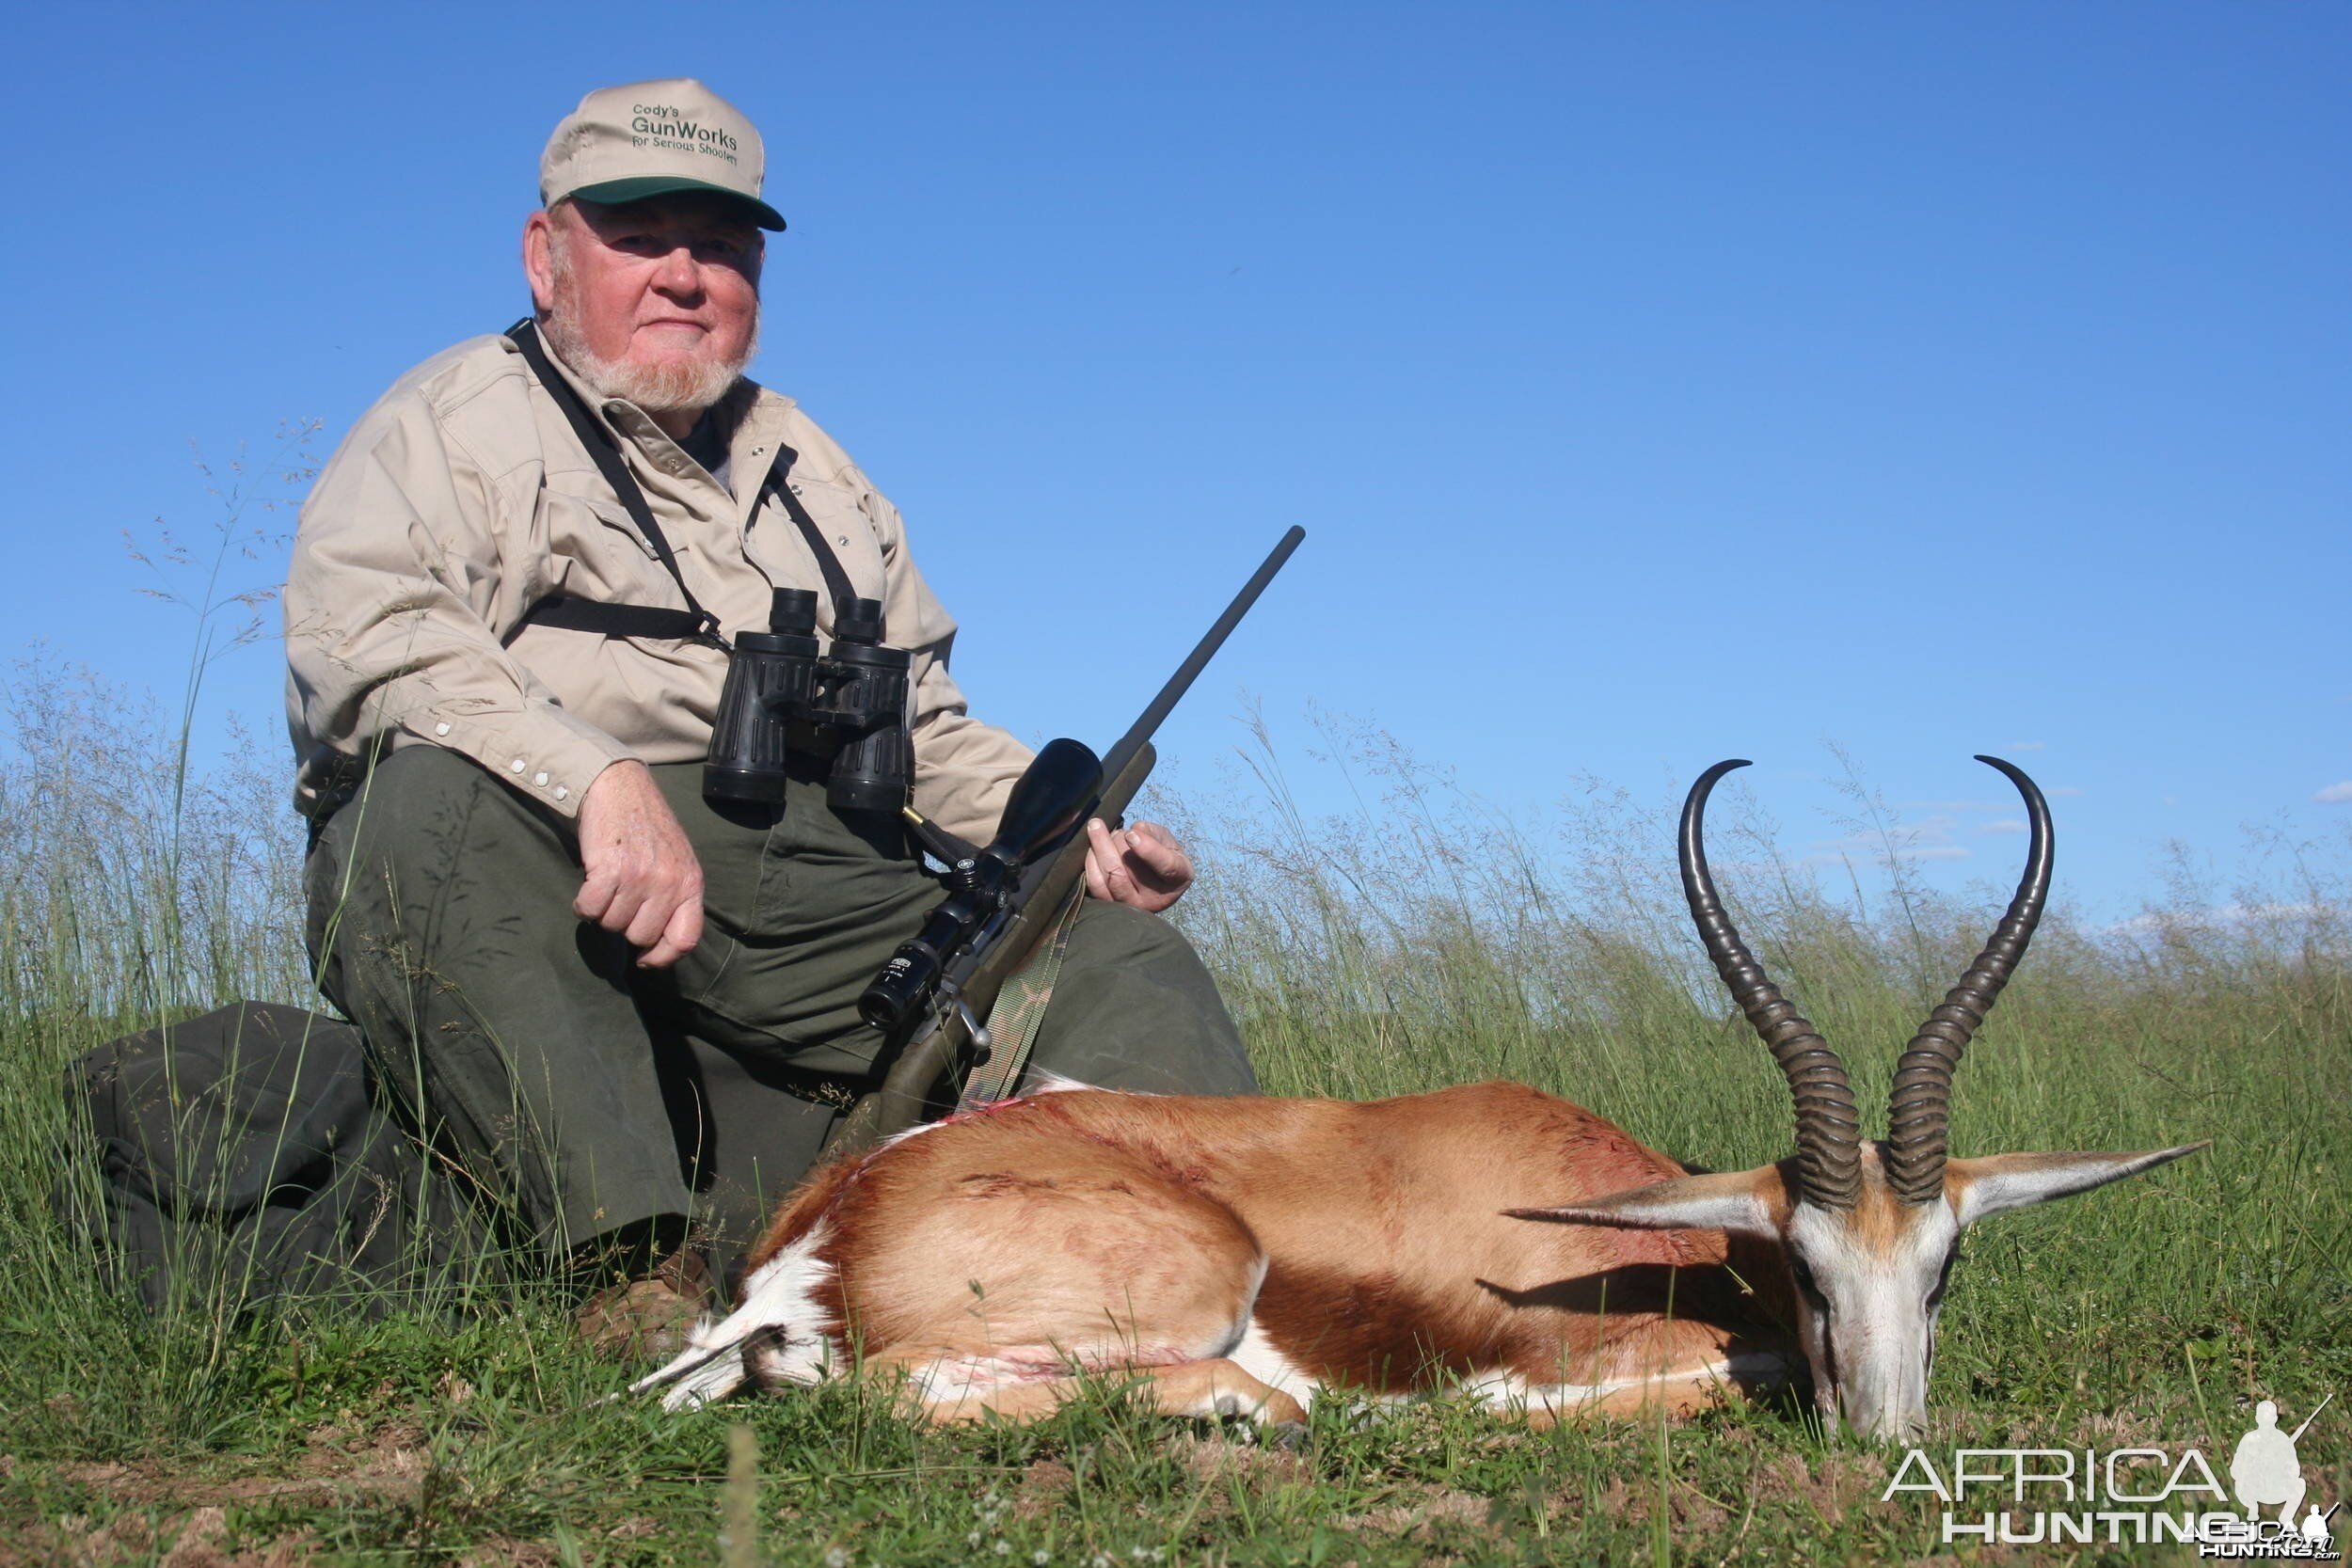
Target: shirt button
x,y
518,764
560,793
441,728
541,780
840,538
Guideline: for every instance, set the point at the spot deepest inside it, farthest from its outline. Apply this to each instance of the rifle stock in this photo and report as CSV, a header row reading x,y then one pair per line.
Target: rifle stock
x,y
905,1092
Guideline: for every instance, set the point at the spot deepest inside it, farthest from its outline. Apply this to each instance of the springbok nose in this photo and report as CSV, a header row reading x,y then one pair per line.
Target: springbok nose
x,y
1890,1426
1883,1420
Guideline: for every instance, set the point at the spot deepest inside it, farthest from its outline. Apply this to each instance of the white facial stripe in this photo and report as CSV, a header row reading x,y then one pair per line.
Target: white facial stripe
x,y
1881,1329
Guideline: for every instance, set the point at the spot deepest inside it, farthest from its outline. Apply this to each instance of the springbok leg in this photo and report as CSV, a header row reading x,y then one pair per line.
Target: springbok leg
x,y
1680,1393
1204,1389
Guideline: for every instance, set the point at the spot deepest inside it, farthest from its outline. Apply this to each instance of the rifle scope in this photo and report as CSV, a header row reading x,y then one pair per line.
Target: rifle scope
x,y
1049,803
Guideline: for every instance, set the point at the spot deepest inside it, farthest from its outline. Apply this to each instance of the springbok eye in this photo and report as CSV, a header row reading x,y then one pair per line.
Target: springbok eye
x,y
1935,1297
1802,1272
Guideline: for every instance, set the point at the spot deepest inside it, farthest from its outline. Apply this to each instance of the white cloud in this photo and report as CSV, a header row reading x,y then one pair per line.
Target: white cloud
x,y
2063,789
2335,794
2006,825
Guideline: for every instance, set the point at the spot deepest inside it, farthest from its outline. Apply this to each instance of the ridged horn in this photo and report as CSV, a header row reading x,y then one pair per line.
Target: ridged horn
x,y
1829,1133
1918,1113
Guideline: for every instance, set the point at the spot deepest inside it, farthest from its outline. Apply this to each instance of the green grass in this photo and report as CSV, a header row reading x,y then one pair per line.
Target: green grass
x,y
1418,944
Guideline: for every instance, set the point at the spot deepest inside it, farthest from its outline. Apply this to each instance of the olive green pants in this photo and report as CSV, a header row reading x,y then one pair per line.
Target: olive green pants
x,y
588,1099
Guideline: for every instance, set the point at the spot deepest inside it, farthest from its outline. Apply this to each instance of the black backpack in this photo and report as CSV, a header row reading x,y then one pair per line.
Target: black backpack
x,y
241,1157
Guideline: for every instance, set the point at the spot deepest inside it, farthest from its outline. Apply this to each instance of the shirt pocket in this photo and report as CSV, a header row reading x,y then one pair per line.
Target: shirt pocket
x,y
596,551
848,533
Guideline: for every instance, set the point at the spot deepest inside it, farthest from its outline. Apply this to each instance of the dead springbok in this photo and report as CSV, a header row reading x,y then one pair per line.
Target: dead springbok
x,y
1238,1254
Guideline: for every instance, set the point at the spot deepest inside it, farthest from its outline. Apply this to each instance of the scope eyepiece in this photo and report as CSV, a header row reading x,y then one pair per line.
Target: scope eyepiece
x,y
913,972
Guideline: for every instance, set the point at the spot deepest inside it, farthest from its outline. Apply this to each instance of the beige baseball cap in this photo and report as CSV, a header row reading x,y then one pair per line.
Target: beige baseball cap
x,y
650,139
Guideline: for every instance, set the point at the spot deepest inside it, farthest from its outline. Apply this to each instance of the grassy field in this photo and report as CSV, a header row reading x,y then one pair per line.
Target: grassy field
x,y
1418,944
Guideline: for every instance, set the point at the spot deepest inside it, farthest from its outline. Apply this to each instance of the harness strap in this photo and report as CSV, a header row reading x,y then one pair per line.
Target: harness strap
x,y
837,581
606,454
616,619
655,621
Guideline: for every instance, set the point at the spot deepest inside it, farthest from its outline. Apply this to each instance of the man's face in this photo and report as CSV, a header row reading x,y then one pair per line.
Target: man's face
x,y
657,301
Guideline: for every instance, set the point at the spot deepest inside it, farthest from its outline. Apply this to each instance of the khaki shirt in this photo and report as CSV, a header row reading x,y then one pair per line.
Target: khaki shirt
x,y
463,497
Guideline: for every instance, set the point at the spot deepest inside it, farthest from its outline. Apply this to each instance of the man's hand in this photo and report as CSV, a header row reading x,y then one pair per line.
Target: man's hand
x,y
643,879
1142,865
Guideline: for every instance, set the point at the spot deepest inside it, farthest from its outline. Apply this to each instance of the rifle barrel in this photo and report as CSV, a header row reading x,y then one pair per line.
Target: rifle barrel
x,y
1138,735
975,975
1187,672
2297,1436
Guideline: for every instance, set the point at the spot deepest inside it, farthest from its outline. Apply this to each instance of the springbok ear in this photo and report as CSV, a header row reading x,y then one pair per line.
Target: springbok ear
x,y
1750,1202
1996,1184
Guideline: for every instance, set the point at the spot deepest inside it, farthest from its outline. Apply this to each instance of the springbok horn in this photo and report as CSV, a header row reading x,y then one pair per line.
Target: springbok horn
x,y
1918,1113
1829,1133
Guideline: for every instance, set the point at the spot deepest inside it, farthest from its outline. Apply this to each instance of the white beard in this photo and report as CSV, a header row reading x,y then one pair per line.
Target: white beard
x,y
683,386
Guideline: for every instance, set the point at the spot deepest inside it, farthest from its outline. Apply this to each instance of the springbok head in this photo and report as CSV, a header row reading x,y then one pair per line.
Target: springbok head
x,y
1869,1230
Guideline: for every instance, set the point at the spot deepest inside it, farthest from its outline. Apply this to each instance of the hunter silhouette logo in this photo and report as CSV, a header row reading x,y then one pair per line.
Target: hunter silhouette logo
x,y
2263,1472
2134,1496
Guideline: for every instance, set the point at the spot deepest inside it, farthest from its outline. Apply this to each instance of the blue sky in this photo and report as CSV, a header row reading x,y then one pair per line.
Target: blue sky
x,y
1657,384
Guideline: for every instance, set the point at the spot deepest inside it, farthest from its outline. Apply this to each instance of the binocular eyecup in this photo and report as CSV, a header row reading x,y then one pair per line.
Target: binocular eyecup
x,y
856,690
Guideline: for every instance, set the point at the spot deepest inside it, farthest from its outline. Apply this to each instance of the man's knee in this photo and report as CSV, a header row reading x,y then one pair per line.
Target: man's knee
x,y
1136,1008
1125,932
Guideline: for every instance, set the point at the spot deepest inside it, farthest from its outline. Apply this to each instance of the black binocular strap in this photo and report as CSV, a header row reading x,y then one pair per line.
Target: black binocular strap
x,y
607,619
637,620
837,581
612,620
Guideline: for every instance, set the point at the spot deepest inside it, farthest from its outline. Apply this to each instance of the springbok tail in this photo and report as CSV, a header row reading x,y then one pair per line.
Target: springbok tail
x,y
777,1336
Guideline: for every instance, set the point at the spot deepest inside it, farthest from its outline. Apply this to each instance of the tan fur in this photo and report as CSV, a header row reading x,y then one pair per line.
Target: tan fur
x,y
1881,1217
1092,1231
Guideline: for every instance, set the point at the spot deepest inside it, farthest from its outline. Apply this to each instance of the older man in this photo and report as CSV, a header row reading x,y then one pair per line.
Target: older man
x,y
625,1011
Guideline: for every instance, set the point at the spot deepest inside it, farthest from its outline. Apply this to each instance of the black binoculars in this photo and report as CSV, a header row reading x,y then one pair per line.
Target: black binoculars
x,y
856,689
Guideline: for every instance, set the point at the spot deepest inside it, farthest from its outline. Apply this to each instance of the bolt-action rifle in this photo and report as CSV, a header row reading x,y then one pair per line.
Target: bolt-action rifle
x,y
930,997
